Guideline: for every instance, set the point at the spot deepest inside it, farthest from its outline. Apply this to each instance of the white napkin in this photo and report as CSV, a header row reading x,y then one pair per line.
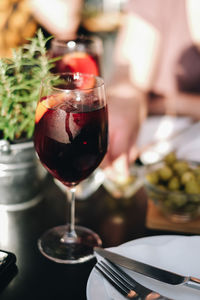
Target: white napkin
x,y
159,129
179,254
156,128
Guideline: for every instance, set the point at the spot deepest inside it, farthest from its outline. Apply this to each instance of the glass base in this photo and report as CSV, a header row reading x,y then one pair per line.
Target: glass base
x,y
79,250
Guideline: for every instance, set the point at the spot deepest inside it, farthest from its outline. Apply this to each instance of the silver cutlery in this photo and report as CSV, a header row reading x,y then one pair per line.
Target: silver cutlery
x,y
148,270
124,284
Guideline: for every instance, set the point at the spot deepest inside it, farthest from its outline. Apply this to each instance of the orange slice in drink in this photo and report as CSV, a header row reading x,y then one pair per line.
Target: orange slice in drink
x,y
80,62
48,102
83,63
40,111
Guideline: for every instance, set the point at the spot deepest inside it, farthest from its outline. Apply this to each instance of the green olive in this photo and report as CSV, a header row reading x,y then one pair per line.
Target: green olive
x,y
165,173
174,184
170,158
187,176
180,167
192,187
177,188
179,200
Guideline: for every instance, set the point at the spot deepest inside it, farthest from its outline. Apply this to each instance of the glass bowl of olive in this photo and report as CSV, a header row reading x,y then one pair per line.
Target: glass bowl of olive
x,y
174,187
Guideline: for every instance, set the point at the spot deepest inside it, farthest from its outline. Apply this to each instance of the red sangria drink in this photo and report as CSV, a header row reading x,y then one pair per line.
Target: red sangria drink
x,y
71,129
82,55
76,150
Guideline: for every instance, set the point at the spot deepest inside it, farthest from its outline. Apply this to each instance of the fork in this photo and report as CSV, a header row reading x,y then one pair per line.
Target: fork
x,y
125,285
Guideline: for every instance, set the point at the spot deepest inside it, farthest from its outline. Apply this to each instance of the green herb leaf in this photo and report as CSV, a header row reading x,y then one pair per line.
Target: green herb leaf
x,y
20,80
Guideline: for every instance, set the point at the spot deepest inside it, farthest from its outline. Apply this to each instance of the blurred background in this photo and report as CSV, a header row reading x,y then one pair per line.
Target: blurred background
x,y
103,18
19,20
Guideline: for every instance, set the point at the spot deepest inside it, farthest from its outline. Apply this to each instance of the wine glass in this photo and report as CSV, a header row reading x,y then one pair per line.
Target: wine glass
x,y
71,129
82,54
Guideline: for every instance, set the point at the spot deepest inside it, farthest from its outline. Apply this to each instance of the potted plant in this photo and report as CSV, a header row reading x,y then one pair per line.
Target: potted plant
x,y
20,79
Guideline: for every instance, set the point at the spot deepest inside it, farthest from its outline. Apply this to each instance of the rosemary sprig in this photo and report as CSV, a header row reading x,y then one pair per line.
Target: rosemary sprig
x,y
20,79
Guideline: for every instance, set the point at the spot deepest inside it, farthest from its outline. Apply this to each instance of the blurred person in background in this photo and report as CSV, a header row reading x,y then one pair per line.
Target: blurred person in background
x,y
60,18
19,20
157,70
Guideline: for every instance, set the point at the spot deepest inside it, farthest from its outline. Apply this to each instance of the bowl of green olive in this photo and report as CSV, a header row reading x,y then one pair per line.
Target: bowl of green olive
x,y
174,187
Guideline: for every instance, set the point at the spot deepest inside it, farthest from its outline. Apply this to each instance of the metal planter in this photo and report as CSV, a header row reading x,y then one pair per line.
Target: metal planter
x,y
21,175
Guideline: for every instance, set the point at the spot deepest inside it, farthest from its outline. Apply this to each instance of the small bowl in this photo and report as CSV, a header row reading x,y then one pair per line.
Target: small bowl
x,y
177,205
124,187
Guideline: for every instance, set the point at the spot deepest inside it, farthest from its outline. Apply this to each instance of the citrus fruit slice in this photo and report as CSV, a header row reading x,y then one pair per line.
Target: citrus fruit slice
x,y
40,111
80,62
48,102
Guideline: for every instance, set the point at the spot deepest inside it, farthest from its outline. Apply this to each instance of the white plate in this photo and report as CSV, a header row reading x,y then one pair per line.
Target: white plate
x,y
179,254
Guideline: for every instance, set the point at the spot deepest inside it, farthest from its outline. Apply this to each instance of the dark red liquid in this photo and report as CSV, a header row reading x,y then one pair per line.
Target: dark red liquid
x,y
71,144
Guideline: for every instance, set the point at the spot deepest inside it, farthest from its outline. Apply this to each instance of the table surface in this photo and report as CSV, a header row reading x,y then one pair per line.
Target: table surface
x,y
115,220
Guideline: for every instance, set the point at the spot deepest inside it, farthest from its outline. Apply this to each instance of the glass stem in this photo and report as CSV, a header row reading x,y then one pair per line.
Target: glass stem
x,y
72,212
70,236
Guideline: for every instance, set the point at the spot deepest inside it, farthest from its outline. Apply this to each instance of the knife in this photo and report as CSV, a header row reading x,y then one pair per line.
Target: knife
x,y
148,270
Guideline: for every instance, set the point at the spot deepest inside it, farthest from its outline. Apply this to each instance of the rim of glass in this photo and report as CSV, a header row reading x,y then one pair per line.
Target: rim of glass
x,y
59,42
99,81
